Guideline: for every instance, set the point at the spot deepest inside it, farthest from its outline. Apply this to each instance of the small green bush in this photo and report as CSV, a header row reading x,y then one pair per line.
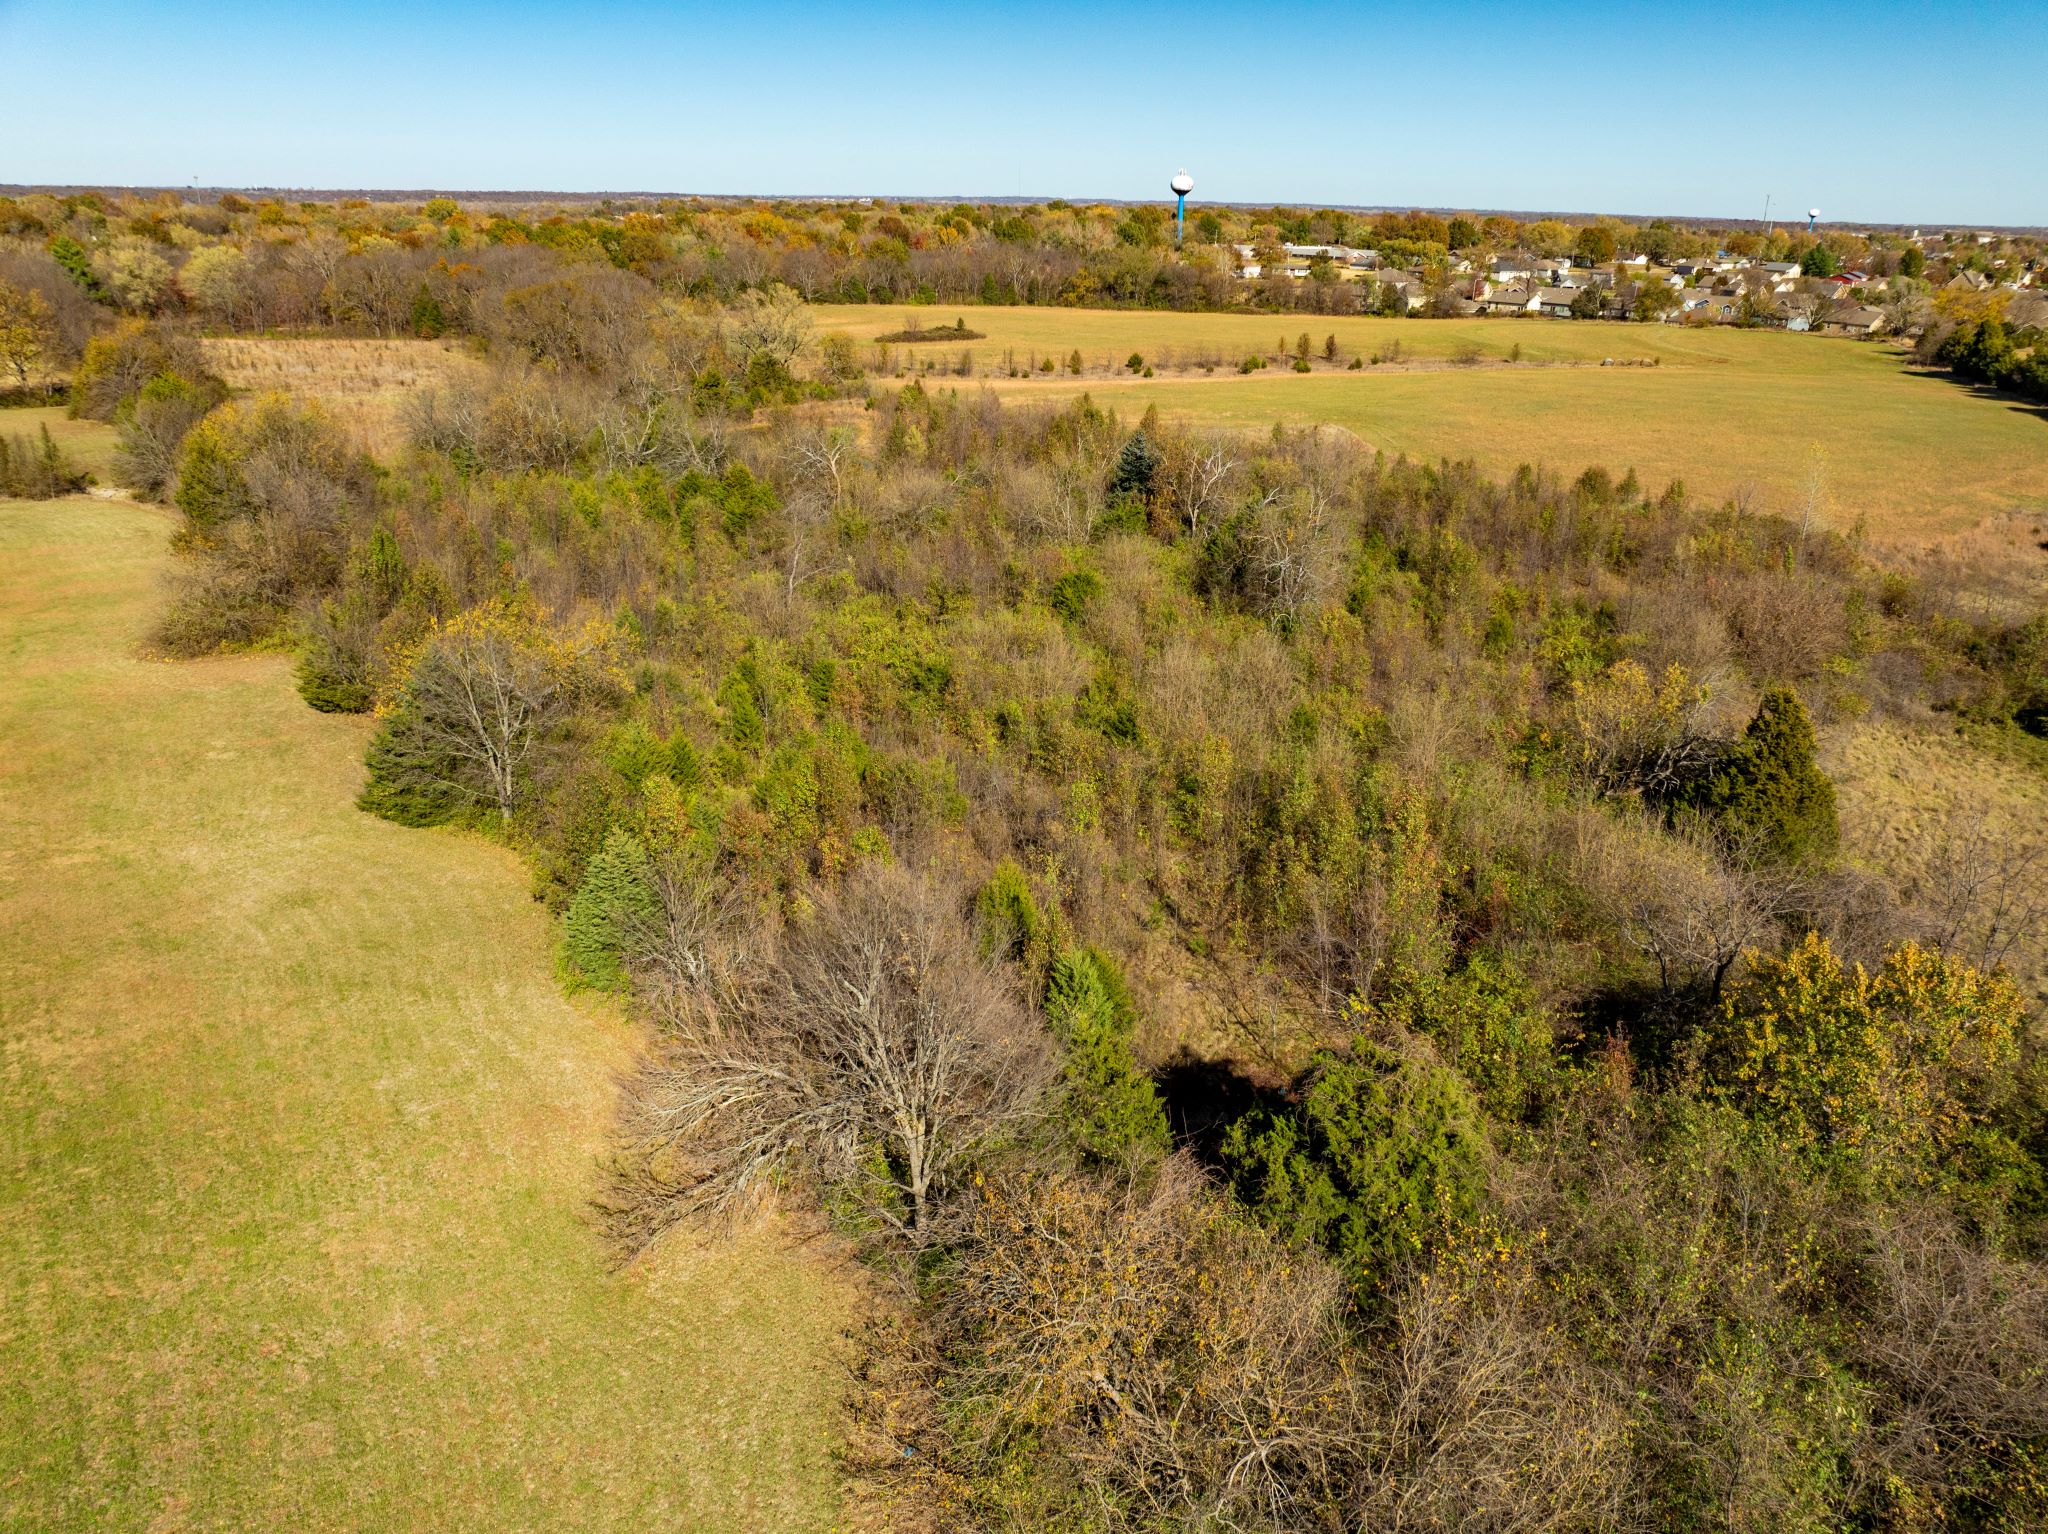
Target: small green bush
x,y
616,901
330,682
1013,926
1110,1108
1072,592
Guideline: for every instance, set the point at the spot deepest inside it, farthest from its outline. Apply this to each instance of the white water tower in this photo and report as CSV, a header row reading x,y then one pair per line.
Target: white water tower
x,y
1812,217
1181,184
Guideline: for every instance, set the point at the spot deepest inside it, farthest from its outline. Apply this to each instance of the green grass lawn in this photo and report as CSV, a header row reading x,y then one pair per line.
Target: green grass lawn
x,y
299,1135
1727,411
89,444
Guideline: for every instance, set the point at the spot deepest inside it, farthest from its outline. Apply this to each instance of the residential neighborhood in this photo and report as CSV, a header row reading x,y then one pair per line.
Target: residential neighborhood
x,y
1723,288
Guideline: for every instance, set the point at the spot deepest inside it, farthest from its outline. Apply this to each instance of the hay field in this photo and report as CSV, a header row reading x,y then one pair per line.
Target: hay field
x,y
299,1133
365,383
1730,412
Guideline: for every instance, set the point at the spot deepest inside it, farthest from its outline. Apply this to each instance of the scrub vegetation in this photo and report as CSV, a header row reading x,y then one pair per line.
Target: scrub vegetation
x,y
1323,990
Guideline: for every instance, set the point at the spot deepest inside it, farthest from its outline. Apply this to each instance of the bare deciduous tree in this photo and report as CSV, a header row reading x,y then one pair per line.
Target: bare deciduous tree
x,y
1696,907
1189,1372
1293,563
807,516
479,703
828,454
1198,487
1960,1337
880,1052
1481,1420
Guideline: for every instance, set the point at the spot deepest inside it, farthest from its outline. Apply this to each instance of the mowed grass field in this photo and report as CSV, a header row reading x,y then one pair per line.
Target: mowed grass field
x,y
1912,457
297,1135
89,444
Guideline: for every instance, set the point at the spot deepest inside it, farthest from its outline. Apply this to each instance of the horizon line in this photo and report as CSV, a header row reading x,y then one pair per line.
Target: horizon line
x,y
1524,215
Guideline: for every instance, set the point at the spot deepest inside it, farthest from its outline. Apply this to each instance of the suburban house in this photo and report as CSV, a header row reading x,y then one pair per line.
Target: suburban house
x,y
1852,320
1717,290
1717,308
2027,311
1403,292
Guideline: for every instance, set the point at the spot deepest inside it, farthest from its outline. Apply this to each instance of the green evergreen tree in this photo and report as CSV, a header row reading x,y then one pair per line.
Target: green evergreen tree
x,y
744,726
685,767
1112,1110
408,784
616,899
1771,788
1377,1157
634,752
1136,469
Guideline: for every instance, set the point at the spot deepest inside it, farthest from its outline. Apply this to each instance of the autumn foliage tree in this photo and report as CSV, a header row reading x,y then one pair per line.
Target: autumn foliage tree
x,y
1884,1075
26,329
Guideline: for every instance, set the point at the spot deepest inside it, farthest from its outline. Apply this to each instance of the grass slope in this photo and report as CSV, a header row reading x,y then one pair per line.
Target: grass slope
x,y
1912,456
89,444
1901,789
296,1134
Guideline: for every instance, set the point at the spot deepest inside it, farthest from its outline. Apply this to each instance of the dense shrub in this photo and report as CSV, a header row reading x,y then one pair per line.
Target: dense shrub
x,y
1111,1109
1984,352
1886,1075
118,366
267,454
1376,1159
153,426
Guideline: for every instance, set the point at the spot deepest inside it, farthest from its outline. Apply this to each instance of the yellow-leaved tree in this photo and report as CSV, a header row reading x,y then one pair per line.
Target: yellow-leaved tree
x,y
1883,1076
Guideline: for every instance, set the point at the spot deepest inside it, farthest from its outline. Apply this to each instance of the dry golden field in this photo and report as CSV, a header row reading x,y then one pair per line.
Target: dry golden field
x,y
1907,794
364,382
1762,415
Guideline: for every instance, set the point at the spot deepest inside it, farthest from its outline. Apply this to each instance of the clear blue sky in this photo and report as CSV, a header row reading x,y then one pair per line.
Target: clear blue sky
x,y
1884,111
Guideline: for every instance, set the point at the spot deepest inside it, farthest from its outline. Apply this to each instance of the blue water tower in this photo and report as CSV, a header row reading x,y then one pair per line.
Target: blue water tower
x,y
1182,184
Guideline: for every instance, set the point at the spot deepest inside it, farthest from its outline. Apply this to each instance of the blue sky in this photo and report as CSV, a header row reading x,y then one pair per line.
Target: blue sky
x,y
1885,111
